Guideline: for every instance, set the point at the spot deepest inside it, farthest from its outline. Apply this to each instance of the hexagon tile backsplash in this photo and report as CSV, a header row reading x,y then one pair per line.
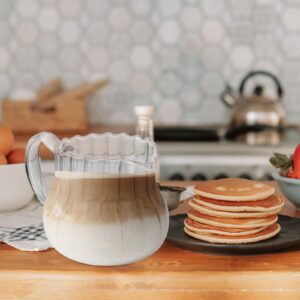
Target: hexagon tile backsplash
x,y
175,54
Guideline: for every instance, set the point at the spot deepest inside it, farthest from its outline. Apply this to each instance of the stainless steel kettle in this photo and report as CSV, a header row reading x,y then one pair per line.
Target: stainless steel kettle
x,y
256,109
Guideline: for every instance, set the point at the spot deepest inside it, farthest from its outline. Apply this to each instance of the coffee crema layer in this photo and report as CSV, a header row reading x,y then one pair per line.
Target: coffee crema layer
x,y
101,198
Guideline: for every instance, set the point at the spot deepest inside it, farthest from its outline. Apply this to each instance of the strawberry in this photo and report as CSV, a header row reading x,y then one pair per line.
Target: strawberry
x,y
288,165
291,174
296,162
282,162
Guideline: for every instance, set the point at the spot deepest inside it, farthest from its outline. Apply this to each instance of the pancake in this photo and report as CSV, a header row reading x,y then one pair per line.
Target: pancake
x,y
197,227
226,214
265,234
232,223
269,204
234,189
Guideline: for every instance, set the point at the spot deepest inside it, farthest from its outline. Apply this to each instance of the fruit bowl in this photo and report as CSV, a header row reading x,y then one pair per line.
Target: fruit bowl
x,y
14,186
290,187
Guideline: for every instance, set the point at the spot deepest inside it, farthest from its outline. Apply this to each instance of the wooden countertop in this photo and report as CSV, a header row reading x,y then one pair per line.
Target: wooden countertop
x,y
171,273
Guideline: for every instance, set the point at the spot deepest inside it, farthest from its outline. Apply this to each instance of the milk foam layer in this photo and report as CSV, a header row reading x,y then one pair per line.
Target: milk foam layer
x,y
105,220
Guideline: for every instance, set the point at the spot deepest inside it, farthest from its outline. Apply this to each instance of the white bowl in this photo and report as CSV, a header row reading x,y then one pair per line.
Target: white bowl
x,y
290,187
171,195
15,190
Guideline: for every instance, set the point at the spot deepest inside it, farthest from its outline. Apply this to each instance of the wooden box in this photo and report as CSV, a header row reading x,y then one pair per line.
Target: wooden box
x,y
67,115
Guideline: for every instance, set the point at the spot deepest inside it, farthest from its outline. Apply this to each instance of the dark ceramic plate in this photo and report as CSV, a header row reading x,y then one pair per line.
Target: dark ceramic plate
x,y
288,237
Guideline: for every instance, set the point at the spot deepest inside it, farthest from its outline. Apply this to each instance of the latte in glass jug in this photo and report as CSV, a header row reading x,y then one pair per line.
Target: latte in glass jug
x,y
105,207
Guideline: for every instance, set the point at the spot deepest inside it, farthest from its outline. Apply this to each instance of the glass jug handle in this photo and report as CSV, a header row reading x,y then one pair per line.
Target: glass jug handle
x,y
32,162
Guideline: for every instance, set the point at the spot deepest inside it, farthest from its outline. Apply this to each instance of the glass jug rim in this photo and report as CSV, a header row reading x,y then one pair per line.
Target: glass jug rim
x,y
61,148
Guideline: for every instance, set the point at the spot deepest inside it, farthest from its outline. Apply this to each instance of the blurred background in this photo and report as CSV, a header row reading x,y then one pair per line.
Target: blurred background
x,y
174,54
180,56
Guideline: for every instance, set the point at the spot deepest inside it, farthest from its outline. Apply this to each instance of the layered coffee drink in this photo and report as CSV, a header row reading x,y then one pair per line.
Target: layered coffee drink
x,y
105,219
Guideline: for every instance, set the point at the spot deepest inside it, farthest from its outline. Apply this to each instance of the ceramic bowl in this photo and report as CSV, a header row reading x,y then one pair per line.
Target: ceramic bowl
x,y
290,188
15,189
171,195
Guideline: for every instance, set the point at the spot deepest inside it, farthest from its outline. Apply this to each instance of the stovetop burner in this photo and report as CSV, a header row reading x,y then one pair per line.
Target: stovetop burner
x,y
186,134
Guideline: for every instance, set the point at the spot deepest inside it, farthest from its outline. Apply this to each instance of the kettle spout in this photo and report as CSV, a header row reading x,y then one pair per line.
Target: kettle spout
x,y
228,96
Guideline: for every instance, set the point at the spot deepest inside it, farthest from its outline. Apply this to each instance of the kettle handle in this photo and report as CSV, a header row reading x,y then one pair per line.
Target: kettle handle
x,y
265,73
228,97
32,162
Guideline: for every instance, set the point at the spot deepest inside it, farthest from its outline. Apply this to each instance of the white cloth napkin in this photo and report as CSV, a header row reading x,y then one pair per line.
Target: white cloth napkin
x,y
188,193
23,229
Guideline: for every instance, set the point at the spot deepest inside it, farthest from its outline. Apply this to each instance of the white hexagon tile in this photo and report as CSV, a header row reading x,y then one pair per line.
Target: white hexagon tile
x,y
175,54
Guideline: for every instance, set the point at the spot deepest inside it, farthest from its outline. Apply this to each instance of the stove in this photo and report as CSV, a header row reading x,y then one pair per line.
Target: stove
x,y
202,155
202,160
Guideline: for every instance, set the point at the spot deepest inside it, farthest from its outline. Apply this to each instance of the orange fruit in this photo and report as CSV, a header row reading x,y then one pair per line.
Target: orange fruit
x,y
6,140
16,156
3,160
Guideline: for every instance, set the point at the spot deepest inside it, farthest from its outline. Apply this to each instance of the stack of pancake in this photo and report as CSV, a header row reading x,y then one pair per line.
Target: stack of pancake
x,y
233,211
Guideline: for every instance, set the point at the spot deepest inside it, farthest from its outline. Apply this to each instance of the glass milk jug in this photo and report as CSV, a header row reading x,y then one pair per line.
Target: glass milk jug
x,y
104,207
